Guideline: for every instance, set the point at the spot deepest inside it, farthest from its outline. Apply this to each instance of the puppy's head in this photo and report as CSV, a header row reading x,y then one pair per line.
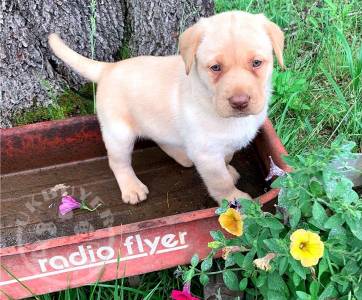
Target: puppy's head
x,y
232,54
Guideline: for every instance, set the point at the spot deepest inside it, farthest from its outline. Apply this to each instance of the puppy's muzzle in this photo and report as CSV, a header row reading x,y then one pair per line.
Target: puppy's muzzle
x,y
239,102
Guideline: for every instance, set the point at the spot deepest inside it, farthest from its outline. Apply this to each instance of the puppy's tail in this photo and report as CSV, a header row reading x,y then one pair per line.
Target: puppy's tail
x,y
86,67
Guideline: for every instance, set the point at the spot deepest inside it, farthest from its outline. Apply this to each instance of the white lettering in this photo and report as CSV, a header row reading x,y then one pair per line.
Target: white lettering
x,y
182,237
168,241
139,243
153,246
103,249
63,262
42,263
86,255
81,254
128,244
91,253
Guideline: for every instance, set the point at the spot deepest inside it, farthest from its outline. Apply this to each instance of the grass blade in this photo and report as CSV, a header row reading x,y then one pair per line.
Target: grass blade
x,y
335,86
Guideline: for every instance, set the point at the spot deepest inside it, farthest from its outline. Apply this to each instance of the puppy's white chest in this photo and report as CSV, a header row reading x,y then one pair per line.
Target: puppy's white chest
x,y
223,137
230,138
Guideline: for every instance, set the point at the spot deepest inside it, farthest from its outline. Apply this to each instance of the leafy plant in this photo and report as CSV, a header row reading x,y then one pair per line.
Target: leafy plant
x,y
310,249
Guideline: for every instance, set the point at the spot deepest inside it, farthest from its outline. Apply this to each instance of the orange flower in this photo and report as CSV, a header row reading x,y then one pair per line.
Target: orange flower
x,y
232,222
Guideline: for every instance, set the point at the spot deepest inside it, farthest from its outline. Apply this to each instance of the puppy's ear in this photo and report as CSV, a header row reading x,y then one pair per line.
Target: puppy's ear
x,y
188,43
277,38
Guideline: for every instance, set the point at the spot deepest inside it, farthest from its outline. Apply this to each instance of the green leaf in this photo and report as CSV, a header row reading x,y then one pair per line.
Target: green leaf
x,y
224,203
322,267
275,245
239,259
316,187
342,281
230,261
319,213
217,236
261,280
294,216
274,295
231,280
329,292
313,289
283,265
206,264
355,225
358,290
194,260
279,182
334,221
297,267
276,282
271,222
243,284
339,234
291,161
248,260
351,267
215,245
302,295
204,279
223,207
187,276
296,279
338,186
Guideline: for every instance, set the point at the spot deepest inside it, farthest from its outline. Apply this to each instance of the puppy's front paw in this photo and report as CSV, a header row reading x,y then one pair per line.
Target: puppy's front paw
x,y
234,174
237,194
134,192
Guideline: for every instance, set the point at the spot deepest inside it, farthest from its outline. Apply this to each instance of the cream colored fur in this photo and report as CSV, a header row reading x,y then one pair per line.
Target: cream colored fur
x,y
181,104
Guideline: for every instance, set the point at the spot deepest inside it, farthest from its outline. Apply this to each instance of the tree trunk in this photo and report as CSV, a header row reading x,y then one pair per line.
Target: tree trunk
x,y
28,69
156,24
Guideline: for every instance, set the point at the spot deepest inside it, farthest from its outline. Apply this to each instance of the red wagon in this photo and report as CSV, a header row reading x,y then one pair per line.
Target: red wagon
x,y
42,252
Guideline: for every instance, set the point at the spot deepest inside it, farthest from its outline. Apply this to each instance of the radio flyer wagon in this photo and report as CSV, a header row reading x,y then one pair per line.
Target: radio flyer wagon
x,y
42,251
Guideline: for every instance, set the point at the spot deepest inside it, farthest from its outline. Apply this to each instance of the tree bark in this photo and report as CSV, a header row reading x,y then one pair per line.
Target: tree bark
x,y
155,24
28,68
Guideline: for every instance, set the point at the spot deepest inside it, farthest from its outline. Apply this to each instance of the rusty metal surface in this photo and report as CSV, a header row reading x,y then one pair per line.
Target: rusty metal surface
x,y
49,143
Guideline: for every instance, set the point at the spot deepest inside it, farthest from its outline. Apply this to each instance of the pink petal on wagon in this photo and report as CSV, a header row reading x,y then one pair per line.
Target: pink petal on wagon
x,y
68,204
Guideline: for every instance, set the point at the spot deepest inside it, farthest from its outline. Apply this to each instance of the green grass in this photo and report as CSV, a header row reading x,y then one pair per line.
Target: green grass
x,y
318,97
155,286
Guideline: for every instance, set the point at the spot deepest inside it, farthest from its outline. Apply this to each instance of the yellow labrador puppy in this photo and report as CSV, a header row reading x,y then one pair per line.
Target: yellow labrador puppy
x,y
200,107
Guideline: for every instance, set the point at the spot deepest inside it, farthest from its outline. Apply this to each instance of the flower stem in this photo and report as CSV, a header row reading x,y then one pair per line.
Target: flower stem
x,y
86,207
217,272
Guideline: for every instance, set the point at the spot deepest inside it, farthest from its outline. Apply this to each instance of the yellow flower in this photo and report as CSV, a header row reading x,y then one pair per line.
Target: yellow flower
x,y
307,247
231,221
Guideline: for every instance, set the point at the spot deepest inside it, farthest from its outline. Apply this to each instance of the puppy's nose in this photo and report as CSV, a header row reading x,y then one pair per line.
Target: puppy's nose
x,y
239,102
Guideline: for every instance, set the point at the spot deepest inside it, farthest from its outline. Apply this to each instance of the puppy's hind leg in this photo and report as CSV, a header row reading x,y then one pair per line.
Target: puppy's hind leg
x,y
119,139
178,154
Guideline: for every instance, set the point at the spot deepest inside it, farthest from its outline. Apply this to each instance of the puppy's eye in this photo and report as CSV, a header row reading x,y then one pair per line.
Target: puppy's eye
x,y
256,63
215,68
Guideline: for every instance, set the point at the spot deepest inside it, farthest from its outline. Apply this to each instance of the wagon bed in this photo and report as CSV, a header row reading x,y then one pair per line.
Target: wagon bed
x,y
178,213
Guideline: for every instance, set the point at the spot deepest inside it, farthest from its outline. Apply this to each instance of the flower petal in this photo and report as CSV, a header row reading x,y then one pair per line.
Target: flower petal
x,y
299,235
68,203
182,295
309,262
274,170
231,221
